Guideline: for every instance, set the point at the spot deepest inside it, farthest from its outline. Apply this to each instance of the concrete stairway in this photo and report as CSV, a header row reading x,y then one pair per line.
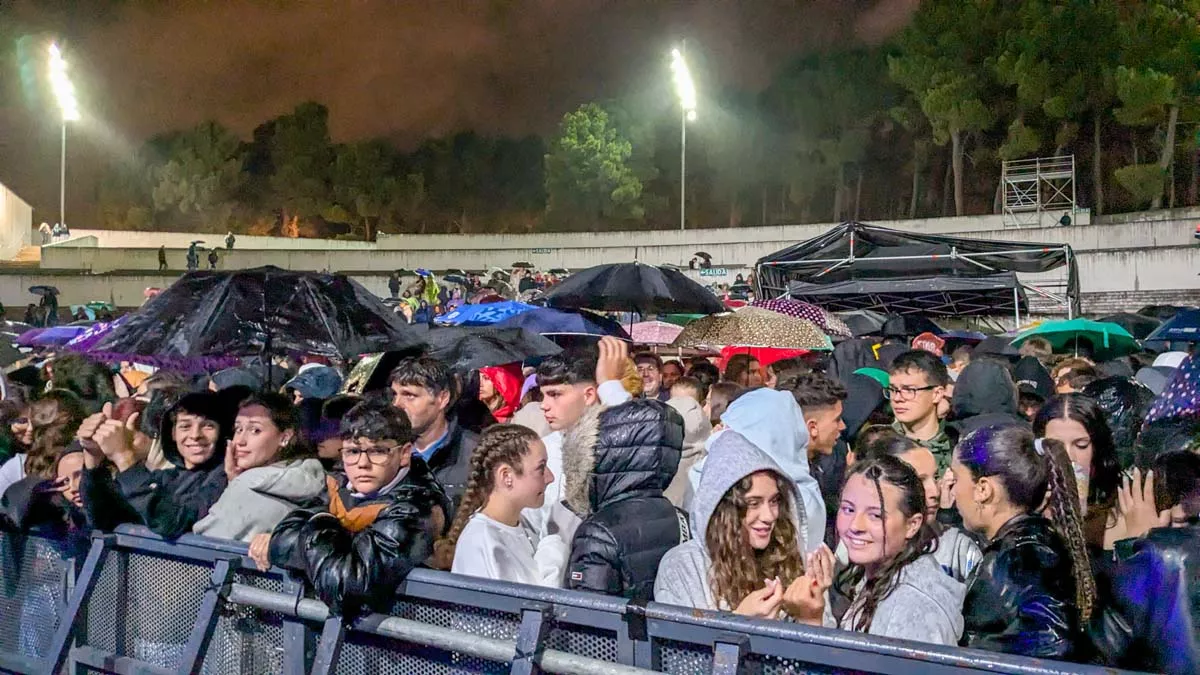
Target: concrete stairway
x,y
29,257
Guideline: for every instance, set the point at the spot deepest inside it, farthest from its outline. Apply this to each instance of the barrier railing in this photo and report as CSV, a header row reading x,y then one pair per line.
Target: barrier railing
x,y
131,602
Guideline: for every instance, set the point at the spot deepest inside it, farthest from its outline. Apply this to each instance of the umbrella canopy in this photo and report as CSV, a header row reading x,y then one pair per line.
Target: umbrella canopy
x,y
43,290
549,321
754,327
459,279
259,311
702,254
680,319
1138,326
26,339
1108,340
92,335
633,287
864,322
832,325
1161,312
1184,327
908,325
483,315
1000,345
56,336
654,332
971,336
522,266
470,348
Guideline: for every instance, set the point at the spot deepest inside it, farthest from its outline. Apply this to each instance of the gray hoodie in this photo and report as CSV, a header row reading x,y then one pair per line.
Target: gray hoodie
x,y
683,574
259,498
696,430
926,606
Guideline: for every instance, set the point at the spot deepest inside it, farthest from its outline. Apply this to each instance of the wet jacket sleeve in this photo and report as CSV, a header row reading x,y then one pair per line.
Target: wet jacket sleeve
x,y
1022,616
103,504
349,570
595,561
165,502
286,550
1147,622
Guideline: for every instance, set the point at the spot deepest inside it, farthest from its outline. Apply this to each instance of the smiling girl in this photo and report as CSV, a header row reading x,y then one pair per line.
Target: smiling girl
x,y
894,586
489,538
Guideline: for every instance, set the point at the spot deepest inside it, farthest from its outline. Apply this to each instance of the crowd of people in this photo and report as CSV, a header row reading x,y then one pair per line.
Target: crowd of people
x,y
1041,506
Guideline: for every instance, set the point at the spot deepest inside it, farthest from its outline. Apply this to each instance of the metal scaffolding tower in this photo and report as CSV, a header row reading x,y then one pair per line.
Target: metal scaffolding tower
x,y
1033,187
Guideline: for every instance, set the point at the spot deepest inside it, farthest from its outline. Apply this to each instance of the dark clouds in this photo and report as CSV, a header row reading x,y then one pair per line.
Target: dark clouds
x,y
401,68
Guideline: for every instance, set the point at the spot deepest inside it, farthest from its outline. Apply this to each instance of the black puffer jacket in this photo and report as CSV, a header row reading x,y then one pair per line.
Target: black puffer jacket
x,y
168,501
617,462
1153,617
1021,596
984,396
355,556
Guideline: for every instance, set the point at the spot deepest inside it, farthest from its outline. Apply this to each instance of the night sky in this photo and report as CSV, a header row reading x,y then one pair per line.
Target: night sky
x,y
401,69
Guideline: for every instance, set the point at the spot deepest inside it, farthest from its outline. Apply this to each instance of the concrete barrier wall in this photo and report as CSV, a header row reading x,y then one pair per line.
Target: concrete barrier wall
x,y
1148,269
139,239
16,221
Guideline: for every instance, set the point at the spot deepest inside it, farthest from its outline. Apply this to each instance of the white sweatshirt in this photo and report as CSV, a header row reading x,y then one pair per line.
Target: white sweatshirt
x,y
492,550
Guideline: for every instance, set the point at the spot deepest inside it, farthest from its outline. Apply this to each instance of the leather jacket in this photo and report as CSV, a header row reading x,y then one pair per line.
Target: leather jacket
x,y
1150,621
1021,596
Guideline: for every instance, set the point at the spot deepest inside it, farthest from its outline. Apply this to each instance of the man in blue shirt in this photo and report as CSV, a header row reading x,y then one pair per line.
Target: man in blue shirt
x,y
425,389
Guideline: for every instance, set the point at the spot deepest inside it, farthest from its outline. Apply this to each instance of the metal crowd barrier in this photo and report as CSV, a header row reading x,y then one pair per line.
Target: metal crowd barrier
x,y
130,602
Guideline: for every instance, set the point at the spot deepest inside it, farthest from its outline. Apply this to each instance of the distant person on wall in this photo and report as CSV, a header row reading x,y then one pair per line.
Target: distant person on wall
x,y
230,240
212,259
193,258
394,285
162,258
44,230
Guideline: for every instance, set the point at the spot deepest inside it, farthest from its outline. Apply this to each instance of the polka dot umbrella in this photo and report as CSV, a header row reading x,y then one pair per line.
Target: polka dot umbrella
x,y
832,325
754,327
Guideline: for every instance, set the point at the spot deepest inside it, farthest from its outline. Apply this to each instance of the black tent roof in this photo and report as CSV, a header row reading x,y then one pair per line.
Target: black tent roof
x,y
945,296
913,266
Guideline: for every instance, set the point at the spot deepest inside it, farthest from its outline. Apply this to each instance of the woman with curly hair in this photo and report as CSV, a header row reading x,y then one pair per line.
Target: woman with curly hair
x,y
489,537
747,523
1033,589
52,421
892,586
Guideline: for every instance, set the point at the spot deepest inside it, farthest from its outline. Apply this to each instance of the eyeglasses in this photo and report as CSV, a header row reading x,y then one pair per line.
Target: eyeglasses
x,y
351,455
906,393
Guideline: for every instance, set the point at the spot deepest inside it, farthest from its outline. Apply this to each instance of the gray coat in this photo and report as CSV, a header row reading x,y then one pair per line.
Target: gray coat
x,y
926,606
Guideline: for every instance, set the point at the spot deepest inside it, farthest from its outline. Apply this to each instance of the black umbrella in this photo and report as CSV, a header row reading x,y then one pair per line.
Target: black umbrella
x,y
43,290
702,254
1138,326
455,270
1160,312
522,266
456,279
999,345
908,325
467,348
634,287
864,322
259,311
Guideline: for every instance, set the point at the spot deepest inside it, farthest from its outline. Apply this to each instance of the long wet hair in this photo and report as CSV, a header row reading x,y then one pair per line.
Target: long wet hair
x,y
499,444
55,418
1105,469
878,586
1036,472
737,568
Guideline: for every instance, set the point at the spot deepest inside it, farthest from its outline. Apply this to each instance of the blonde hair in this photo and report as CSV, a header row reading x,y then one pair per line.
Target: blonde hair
x,y
631,380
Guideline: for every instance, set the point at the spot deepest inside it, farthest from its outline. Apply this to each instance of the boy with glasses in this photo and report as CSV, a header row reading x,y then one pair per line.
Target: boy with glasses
x,y
918,382
377,520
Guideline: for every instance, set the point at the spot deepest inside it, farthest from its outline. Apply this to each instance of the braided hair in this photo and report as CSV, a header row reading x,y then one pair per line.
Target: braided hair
x,y
499,444
1037,475
878,585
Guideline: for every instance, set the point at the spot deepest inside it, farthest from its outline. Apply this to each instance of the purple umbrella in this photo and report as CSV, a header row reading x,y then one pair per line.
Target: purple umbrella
x,y
833,326
26,339
88,338
49,337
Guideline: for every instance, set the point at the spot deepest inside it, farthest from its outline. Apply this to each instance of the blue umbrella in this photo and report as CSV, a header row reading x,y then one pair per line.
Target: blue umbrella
x,y
549,321
58,335
483,315
1184,327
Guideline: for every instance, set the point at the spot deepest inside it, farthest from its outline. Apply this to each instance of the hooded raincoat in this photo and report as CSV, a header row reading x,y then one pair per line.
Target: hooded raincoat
x,y
168,501
683,573
984,396
773,422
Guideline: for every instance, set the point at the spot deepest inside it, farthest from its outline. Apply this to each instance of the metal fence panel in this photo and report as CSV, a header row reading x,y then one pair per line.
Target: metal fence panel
x,y
34,574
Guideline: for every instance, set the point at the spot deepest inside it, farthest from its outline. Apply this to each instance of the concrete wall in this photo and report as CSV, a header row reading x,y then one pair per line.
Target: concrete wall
x,y
138,239
16,221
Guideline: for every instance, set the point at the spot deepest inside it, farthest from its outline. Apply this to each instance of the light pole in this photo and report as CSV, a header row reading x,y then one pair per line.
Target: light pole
x,y
64,92
686,89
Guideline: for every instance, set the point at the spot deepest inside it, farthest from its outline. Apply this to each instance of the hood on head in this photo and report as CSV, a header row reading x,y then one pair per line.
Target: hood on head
x,y
625,451
1125,402
316,381
864,396
237,377
984,387
1031,378
696,425
851,355
732,457
219,407
508,382
773,422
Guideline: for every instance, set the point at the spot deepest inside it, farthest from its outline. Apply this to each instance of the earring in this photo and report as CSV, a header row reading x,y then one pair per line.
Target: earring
x,y
508,483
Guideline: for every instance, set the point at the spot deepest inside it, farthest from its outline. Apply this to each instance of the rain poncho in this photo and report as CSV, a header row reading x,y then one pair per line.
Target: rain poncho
x,y
507,382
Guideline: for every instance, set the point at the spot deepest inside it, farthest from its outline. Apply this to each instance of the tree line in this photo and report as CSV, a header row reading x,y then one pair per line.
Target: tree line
x,y
916,127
